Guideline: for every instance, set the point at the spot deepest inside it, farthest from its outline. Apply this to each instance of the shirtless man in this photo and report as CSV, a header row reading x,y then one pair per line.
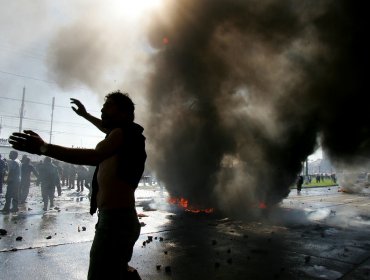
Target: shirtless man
x,y
120,160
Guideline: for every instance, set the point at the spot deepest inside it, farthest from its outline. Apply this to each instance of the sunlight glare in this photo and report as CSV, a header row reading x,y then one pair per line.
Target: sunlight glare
x,y
135,8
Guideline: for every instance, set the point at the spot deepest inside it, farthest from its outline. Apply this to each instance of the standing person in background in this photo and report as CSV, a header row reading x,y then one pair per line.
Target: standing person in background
x,y
65,174
13,181
59,172
81,177
71,176
48,177
300,180
3,168
26,170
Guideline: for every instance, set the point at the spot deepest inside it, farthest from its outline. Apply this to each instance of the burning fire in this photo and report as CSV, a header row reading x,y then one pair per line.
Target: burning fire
x,y
184,203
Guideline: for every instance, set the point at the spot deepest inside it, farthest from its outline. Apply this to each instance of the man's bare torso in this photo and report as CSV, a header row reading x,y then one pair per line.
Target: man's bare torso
x,y
113,191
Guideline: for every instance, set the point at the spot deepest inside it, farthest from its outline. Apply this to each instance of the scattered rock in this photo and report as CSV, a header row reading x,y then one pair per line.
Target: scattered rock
x,y
83,228
29,209
142,224
48,237
161,239
168,269
158,267
3,232
150,238
144,243
19,238
165,252
307,259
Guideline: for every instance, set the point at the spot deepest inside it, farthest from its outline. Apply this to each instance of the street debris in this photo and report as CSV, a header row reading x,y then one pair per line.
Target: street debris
x,y
307,259
141,215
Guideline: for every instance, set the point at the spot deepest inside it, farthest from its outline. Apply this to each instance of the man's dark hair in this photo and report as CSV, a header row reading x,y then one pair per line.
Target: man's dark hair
x,y
124,103
13,153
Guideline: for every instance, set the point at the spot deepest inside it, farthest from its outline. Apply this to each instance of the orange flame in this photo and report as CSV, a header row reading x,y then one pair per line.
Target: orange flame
x,y
184,203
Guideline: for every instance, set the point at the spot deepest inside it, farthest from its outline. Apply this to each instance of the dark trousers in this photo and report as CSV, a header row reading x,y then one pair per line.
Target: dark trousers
x,y
115,235
47,193
24,191
59,189
1,182
80,184
11,196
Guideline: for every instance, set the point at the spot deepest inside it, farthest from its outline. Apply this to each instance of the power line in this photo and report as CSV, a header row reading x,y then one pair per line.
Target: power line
x,y
36,79
37,102
27,77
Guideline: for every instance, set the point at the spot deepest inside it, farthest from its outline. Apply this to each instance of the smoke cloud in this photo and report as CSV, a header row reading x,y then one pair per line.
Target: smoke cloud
x,y
237,92
241,91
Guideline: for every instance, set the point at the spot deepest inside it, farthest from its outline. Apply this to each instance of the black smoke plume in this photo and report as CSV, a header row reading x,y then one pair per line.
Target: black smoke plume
x,y
241,91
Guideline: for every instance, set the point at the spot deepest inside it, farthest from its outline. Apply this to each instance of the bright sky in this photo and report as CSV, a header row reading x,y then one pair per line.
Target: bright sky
x,y
32,31
27,30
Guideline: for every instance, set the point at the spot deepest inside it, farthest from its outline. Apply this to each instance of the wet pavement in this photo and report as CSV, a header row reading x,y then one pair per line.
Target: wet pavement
x,y
320,234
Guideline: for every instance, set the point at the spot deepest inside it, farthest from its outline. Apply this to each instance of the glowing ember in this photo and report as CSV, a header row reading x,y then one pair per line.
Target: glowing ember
x,y
184,203
165,40
262,205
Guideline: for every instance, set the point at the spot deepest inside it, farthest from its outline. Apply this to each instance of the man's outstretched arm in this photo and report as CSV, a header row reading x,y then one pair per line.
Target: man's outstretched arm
x,y
32,143
81,111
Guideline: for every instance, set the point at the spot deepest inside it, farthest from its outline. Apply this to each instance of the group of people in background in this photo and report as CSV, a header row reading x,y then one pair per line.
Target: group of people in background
x,y
48,174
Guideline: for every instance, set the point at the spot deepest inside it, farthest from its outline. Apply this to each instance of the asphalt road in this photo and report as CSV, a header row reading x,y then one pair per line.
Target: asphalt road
x,y
320,234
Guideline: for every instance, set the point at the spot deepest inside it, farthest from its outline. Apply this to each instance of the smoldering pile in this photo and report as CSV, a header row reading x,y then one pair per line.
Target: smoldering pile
x,y
241,91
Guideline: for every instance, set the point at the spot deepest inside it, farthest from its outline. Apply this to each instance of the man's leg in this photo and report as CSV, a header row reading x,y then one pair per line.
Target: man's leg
x,y
113,246
14,197
44,196
1,183
51,196
25,189
7,201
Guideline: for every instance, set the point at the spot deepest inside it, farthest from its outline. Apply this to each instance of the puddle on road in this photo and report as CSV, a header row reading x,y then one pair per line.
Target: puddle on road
x,y
321,272
318,215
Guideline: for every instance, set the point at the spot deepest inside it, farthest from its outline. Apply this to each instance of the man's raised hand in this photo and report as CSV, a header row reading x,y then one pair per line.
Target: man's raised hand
x,y
28,141
80,110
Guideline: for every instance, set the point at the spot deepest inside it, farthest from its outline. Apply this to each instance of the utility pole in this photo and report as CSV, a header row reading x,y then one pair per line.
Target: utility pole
x,y
52,118
21,112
